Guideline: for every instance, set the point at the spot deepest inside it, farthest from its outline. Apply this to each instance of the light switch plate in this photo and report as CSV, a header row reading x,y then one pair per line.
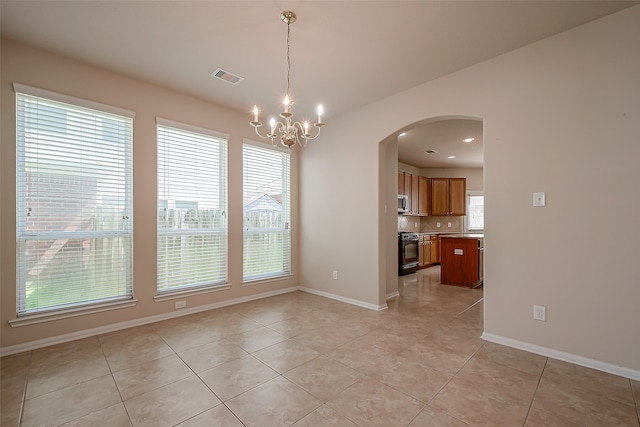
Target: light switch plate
x,y
539,199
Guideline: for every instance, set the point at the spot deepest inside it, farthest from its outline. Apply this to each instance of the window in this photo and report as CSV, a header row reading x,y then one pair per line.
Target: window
x,y
192,207
74,208
266,210
474,220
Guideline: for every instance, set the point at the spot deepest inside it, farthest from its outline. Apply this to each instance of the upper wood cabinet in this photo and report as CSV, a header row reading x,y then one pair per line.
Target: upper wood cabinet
x,y
415,192
448,196
424,195
433,196
418,190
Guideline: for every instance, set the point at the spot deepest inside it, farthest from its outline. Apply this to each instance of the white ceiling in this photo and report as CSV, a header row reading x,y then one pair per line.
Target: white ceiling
x,y
446,138
344,54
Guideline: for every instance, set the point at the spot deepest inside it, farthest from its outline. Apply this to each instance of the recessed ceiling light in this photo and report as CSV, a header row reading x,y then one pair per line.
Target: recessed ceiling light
x,y
402,134
451,157
469,140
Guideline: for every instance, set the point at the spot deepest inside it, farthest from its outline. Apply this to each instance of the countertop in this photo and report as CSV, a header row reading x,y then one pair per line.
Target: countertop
x,y
464,236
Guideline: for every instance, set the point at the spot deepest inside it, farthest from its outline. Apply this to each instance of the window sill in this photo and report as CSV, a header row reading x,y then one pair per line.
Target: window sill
x,y
267,279
171,295
32,319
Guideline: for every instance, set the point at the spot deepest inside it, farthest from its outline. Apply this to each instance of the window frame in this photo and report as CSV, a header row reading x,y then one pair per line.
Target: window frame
x,y
467,221
286,229
87,109
181,291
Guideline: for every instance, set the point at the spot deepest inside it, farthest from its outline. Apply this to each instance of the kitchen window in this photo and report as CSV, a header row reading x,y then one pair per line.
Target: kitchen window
x,y
266,211
73,204
192,208
474,221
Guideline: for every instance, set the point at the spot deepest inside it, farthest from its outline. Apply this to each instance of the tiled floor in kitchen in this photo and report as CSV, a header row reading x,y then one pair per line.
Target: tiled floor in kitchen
x,y
303,360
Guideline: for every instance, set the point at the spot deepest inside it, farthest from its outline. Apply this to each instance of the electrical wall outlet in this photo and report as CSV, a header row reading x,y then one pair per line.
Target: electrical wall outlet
x,y
335,274
181,304
449,224
540,312
438,224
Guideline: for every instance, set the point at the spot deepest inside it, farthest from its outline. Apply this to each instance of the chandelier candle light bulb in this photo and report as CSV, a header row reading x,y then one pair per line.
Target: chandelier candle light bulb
x,y
288,132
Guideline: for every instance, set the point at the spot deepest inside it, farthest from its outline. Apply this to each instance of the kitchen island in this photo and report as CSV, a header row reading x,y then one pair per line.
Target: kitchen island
x,y
461,257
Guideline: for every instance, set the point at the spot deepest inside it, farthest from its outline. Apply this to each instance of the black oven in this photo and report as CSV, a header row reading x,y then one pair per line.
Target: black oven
x,y
407,253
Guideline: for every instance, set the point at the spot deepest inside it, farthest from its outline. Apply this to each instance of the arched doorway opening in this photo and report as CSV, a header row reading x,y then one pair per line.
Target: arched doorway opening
x,y
425,148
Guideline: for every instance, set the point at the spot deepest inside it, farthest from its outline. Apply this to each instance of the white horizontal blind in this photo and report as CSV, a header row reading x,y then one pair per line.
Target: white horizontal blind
x,y
192,208
74,204
267,213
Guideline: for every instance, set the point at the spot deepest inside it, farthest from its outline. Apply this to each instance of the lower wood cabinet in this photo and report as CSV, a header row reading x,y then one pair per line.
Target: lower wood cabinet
x,y
428,250
434,254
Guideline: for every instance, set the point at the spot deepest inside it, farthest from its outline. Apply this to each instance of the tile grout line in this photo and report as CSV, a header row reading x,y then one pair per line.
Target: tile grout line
x,y
23,401
535,391
114,380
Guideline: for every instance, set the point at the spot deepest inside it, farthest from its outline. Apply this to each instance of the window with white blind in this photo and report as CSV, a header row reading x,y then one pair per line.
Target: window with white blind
x,y
267,212
73,202
474,220
192,207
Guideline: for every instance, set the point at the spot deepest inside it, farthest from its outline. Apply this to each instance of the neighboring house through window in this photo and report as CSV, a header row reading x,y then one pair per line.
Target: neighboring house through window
x,y
267,212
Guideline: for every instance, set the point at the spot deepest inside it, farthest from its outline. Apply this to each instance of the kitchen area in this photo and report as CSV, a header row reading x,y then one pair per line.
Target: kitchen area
x,y
432,230
441,201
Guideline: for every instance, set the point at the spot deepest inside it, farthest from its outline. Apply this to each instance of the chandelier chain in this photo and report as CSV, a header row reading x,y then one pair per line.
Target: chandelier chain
x,y
288,58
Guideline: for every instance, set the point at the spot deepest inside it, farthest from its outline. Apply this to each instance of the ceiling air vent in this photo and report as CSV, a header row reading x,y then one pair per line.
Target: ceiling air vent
x,y
227,76
430,151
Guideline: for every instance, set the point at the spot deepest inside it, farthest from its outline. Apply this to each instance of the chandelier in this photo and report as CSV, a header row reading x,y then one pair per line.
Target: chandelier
x,y
288,132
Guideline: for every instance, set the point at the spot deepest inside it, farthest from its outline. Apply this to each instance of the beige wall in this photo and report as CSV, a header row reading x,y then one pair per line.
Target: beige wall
x,y
561,116
33,67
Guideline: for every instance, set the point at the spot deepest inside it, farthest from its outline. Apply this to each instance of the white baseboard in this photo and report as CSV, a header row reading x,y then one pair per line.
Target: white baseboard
x,y
345,299
393,295
59,339
567,357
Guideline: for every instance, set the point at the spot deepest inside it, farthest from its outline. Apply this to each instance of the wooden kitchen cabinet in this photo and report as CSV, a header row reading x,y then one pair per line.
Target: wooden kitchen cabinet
x,y
424,195
448,196
415,192
407,191
424,251
428,250
418,190
434,254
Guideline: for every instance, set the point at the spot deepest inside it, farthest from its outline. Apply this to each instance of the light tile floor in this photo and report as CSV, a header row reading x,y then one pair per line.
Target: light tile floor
x,y
303,360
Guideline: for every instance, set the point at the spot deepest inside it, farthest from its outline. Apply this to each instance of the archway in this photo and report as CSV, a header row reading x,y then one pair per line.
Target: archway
x,y
388,172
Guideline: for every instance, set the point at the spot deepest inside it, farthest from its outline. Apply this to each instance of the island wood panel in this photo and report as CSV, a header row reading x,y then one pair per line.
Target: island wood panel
x,y
459,270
